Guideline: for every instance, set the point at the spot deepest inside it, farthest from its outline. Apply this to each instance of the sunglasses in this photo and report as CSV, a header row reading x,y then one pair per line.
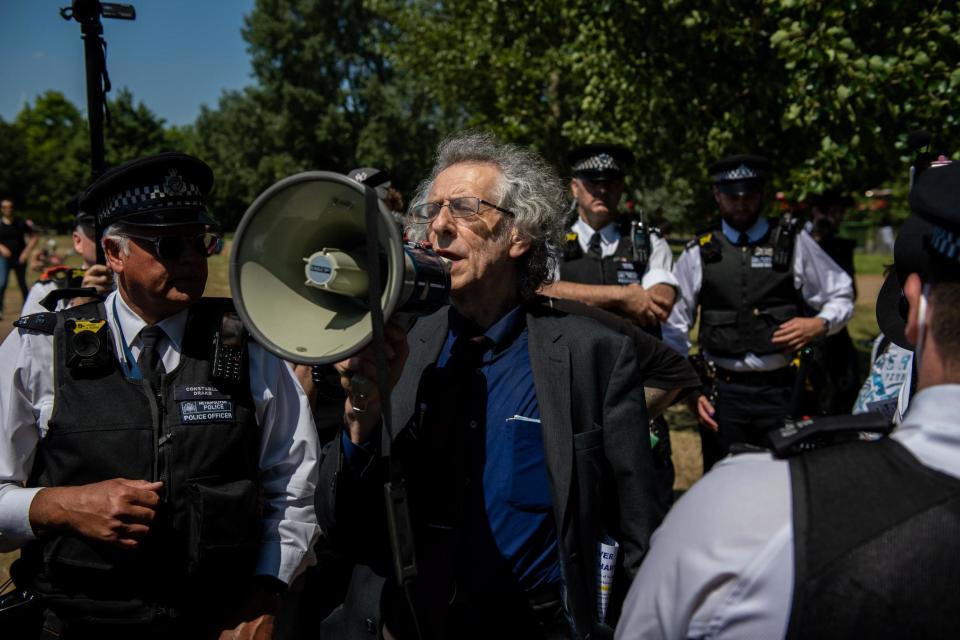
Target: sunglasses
x,y
172,247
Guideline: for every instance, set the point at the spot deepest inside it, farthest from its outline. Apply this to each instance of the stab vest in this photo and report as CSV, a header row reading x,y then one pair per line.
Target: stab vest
x,y
745,294
619,268
876,544
198,435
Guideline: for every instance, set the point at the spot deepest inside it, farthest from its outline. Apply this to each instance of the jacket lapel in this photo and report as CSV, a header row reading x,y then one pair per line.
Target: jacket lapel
x,y
550,362
425,340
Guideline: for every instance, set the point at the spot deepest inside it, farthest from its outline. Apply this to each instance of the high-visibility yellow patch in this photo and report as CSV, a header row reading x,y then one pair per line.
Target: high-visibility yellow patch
x,y
704,239
88,325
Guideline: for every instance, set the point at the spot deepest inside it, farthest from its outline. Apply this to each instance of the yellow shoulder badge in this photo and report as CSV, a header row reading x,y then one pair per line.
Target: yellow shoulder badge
x,y
571,236
705,238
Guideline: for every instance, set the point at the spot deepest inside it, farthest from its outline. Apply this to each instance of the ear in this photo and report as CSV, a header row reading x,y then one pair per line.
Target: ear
x,y
77,242
912,290
113,255
716,194
519,244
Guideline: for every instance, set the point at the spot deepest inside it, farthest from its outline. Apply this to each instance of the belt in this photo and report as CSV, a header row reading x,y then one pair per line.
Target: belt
x,y
777,378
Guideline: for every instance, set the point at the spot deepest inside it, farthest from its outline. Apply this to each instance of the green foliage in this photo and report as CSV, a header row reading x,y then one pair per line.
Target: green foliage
x,y
827,88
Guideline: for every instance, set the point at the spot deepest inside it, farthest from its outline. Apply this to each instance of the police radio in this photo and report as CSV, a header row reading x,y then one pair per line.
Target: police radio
x,y
640,235
228,349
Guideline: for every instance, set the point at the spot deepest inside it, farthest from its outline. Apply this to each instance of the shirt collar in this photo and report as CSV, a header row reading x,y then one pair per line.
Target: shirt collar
x,y
754,233
608,234
501,333
933,408
131,324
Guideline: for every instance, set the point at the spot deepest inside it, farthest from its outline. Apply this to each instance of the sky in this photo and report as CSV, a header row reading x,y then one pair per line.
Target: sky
x,y
176,56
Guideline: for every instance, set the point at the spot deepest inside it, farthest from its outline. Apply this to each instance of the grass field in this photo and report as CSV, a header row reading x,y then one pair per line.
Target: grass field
x,y
683,433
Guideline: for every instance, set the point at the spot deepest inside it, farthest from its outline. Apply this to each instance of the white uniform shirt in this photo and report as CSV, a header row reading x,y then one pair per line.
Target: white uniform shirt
x,y
659,266
289,448
37,293
823,285
721,566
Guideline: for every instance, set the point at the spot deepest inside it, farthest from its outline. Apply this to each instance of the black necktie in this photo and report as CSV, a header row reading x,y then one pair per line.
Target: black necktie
x,y
151,366
594,248
744,240
468,352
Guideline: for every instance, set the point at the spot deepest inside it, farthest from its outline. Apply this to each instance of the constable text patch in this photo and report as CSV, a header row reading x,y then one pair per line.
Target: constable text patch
x,y
202,403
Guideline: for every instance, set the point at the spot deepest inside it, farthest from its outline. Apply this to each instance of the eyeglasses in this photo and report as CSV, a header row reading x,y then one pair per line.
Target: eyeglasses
x,y
172,247
458,207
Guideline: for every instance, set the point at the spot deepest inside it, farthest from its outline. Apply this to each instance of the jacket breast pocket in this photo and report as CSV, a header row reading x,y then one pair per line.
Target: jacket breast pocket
x,y
529,483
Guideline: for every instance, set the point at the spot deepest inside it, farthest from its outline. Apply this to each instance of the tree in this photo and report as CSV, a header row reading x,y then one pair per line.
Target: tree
x,y
827,89
335,99
131,131
57,154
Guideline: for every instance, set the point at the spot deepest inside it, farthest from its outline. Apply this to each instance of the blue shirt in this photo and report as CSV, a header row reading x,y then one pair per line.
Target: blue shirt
x,y
509,515
754,233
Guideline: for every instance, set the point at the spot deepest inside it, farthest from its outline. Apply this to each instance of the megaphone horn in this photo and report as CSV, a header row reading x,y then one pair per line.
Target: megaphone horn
x,y
300,276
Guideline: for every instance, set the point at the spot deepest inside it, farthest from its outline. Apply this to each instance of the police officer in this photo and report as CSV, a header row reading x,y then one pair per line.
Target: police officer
x,y
850,539
607,261
89,275
157,470
755,282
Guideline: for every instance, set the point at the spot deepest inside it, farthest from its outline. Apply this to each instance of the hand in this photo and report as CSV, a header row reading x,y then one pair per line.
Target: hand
x,y
254,618
99,277
645,308
117,511
304,375
358,377
799,332
23,258
705,412
5,251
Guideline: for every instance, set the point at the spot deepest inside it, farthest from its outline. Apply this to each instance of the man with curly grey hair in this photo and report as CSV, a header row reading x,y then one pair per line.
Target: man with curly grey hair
x,y
516,427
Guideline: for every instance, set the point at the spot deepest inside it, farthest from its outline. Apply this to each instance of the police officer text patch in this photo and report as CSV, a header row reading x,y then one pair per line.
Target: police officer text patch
x,y
200,404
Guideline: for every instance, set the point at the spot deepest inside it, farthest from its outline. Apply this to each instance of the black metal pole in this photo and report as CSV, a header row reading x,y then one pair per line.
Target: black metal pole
x,y
93,55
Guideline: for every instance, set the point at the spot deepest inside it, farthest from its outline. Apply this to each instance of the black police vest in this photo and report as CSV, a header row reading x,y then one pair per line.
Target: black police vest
x,y
744,296
199,436
619,268
876,544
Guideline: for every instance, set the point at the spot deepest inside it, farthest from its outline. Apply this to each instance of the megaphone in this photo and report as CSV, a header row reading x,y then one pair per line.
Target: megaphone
x,y
299,270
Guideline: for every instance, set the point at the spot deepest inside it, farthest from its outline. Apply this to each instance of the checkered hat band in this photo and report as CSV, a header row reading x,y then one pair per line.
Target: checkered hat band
x,y
599,162
149,197
743,172
946,243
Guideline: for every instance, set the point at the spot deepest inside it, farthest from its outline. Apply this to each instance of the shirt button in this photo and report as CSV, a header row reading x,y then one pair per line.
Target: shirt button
x,y
473,424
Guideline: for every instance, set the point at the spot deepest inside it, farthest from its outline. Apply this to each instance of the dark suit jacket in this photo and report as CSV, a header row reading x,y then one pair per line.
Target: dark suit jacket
x,y
597,448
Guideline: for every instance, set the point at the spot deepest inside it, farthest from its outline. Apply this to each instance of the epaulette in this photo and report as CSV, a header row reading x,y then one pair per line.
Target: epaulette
x,y
43,322
797,436
708,244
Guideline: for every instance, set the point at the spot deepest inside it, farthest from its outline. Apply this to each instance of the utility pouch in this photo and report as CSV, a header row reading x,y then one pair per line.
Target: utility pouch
x,y
224,527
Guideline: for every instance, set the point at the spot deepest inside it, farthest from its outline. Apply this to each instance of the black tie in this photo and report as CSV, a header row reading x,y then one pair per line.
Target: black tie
x,y
594,248
744,240
468,352
151,366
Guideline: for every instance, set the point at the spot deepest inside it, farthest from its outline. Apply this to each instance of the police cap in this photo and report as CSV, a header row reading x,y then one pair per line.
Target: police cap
x,y
927,244
740,174
163,190
80,216
600,161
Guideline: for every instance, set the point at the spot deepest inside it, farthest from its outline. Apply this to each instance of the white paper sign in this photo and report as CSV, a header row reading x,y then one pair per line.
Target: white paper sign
x,y
606,562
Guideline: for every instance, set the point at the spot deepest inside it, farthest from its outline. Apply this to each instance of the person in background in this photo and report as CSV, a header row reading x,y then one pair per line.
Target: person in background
x,y
89,275
838,536
17,240
763,291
